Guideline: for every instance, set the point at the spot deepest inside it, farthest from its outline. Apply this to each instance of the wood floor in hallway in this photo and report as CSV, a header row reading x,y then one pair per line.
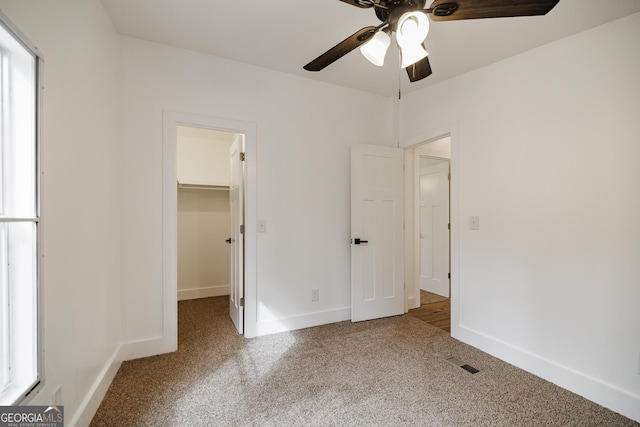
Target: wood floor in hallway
x,y
436,313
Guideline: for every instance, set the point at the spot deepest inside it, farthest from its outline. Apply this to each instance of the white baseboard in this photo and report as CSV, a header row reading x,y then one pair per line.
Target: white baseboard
x,y
145,348
125,351
607,395
92,400
302,321
210,291
412,302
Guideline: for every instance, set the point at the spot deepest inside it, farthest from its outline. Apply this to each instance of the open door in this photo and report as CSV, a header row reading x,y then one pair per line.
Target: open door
x,y
377,240
434,228
236,201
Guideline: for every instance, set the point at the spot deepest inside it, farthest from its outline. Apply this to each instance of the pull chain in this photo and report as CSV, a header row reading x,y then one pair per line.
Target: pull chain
x,y
399,76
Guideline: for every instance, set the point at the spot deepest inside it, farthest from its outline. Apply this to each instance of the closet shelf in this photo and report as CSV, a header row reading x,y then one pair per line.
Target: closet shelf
x,y
202,187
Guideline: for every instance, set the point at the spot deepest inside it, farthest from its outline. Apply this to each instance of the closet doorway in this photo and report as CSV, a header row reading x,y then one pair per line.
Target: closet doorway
x,y
204,212
246,283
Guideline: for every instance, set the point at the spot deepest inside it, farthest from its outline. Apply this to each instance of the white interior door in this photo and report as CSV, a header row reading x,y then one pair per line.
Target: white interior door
x,y
377,215
236,201
434,228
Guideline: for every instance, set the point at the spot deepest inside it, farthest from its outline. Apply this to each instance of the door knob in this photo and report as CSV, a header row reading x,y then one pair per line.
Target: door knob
x,y
359,241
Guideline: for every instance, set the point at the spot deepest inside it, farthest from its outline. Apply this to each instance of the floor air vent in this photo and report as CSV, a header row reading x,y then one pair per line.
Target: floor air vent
x,y
469,368
463,365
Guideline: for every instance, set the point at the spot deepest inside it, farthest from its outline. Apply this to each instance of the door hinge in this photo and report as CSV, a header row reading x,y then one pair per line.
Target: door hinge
x,y
241,301
241,156
449,226
242,229
449,176
448,275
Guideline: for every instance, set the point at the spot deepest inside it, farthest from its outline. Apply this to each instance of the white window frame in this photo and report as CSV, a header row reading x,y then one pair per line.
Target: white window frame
x,y
15,394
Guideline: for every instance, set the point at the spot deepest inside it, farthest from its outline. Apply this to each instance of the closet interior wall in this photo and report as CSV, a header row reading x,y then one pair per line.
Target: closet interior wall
x,y
203,212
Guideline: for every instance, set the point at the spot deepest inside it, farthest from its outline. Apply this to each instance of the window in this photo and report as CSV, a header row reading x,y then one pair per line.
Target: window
x,y
19,217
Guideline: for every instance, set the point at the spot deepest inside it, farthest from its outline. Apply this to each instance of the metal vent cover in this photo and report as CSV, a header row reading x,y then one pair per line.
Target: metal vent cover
x,y
463,365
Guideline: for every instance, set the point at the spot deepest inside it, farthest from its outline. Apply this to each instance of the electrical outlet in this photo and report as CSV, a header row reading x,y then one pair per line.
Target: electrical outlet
x,y
315,295
56,396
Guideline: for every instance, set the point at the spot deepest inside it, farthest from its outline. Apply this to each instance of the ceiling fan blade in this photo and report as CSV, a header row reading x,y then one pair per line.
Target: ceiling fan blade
x,y
360,37
419,70
359,3
475,9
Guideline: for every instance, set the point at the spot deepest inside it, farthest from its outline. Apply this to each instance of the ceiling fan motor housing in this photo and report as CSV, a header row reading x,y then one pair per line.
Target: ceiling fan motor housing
x,y
394,9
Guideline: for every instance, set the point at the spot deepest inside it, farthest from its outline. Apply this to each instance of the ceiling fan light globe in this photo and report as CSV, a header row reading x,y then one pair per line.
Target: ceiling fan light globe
x,y
413,28
412,54
410,29
376,48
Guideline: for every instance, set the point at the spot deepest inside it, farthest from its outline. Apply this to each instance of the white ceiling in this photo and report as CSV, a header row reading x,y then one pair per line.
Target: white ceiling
x,y
284,35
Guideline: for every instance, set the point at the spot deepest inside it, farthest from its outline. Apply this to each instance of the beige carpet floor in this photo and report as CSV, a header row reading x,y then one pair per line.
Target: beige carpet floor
x,y
388,372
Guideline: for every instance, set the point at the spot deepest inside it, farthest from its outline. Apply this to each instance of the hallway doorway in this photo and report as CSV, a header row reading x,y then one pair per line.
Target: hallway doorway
x,y
428,193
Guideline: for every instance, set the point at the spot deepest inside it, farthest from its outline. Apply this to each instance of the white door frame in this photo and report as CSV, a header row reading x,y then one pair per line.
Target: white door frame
x,y
171,119
438,132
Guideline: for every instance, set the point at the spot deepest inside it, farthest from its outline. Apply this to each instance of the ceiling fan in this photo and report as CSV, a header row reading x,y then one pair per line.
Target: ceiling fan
x,y
408,19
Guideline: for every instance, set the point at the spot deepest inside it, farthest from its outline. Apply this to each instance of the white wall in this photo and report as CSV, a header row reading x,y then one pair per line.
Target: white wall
x,y
554,262
80,198
550,281
204,222
304,130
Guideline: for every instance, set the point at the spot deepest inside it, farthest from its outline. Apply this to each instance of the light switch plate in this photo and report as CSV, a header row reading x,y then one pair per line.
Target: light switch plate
x,y
474,223
262,226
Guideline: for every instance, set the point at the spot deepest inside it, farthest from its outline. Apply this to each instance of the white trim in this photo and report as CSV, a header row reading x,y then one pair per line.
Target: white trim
x,y
169,234
209,291
171,119
36,220
291,323
439,131
566,377
412,297
142,348
90,404
412,301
